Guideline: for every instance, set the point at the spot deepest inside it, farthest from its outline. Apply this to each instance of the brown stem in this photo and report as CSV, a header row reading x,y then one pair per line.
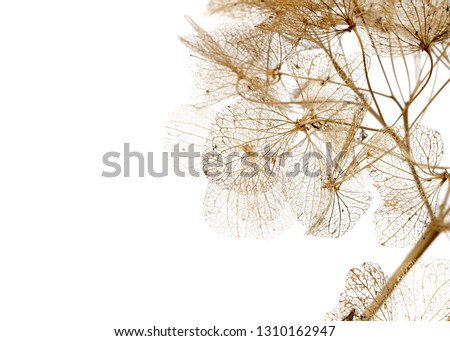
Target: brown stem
x,y
431,233
404,267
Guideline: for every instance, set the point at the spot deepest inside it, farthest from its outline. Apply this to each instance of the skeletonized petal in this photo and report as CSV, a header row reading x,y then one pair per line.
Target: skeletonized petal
x,y
361,288
243,215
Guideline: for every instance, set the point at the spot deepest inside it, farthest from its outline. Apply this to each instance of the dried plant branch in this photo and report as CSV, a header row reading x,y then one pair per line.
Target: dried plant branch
x,y
411,259
275,84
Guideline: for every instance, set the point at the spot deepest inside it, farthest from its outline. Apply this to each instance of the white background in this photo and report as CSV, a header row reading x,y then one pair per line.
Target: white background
x,y
81,254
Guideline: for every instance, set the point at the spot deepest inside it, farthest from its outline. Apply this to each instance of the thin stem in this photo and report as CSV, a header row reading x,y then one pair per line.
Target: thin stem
x,y
366,70
431,101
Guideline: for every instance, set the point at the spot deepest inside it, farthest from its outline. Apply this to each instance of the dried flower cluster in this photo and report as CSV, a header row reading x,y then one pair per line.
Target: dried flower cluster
x,y
304,103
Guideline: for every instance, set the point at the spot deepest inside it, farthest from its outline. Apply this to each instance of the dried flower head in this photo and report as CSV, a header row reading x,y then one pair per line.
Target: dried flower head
x,y
409,26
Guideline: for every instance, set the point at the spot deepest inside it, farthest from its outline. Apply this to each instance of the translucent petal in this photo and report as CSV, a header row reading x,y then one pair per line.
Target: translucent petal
x,y
243,215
